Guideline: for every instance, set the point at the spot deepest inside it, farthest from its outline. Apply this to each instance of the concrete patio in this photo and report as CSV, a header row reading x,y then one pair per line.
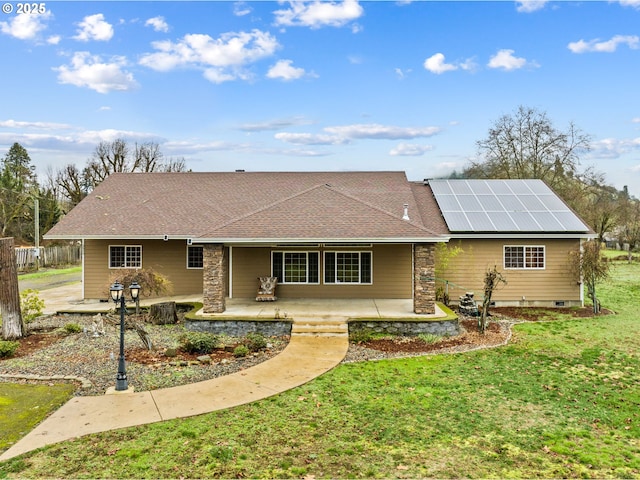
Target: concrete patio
x,y
68,299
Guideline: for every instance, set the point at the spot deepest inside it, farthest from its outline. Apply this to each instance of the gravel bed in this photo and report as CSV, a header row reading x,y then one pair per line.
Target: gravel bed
x,y
95,359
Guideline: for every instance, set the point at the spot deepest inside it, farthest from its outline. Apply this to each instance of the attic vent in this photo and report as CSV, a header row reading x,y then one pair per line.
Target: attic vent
x,y
239,171
405,215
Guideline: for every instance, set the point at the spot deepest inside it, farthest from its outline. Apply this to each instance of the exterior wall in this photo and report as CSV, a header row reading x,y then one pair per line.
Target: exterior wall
x,y
392,267
525,287
168,258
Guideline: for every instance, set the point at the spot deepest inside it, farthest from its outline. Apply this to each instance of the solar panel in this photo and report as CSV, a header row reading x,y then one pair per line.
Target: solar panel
x,y
503,206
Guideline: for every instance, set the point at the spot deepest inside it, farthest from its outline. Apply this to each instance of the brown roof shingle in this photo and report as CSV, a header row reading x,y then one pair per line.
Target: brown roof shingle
x,y
252,206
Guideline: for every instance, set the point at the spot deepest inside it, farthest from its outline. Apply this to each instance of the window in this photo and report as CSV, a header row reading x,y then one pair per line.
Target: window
x,y
296,267
347,267
125,256
523,257
195,256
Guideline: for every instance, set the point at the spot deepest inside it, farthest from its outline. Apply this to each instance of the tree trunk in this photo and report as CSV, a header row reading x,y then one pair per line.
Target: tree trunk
x,y
163,313
12,324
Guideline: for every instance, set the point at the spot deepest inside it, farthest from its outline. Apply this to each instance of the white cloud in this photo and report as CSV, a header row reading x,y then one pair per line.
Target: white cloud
x,y
240,9
613,147
90,71
274,124
630,3
283,70
54,39
311,139
94,27
386,132
635,120
410,150
506,60
37,125
436,64
607,46
528,6
220,59
25,27
158,24
318,13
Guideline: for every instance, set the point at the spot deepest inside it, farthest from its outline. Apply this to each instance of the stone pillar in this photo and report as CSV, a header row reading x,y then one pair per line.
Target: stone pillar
x,y
424,283
213,278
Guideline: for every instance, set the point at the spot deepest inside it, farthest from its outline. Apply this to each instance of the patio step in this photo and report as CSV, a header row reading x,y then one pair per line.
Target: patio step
x,y
320,327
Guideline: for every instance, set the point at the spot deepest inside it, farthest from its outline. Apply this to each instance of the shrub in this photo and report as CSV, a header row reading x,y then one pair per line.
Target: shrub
x,y
429,338
361,335
31,305
255,342
198,342
72,328
151,282
7,348
240,351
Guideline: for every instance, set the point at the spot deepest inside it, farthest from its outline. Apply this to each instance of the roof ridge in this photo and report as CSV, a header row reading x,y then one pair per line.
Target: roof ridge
x,y
334,190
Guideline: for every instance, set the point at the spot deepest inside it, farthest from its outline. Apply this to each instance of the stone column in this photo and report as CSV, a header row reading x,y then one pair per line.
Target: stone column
x,y
213,278
424,283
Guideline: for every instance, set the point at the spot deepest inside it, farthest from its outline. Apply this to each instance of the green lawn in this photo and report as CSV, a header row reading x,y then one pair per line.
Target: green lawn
x,y
561,400
22,407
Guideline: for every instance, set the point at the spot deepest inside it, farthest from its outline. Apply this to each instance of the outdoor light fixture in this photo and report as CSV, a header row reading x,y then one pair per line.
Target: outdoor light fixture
x,y
117,295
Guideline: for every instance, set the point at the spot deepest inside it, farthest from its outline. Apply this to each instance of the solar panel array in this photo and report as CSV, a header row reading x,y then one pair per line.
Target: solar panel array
x,y
503,206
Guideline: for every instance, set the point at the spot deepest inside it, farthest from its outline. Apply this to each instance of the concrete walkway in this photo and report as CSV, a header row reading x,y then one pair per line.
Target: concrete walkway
x,y
305,358
319,342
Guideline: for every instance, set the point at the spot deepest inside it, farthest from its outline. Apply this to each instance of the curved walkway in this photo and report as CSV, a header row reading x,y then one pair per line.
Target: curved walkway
x,y
305,358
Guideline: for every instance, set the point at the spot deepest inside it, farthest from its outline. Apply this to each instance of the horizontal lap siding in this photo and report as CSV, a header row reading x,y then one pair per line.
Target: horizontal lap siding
x,y
168,258
554,283
392,275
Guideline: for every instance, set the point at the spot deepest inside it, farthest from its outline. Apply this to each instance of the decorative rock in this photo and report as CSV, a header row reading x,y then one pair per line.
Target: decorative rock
x,y
204,359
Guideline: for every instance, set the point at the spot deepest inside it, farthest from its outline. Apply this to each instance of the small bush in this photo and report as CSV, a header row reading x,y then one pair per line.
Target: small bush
x,y
198,342
31,305
255,342
72,328
240,351
429,338
7,348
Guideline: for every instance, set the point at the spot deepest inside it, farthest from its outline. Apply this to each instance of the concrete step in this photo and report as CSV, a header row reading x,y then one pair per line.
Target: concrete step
x,y
319,327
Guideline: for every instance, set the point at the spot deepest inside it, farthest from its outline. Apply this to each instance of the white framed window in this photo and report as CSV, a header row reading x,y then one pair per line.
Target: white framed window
x,y
125,256
348,267
195,257
296,267
524,257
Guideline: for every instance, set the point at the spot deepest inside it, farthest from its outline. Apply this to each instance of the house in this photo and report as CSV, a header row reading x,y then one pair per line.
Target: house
x,y
323,234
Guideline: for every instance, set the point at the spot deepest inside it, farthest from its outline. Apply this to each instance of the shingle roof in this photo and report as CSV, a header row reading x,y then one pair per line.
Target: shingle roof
x,y
252,206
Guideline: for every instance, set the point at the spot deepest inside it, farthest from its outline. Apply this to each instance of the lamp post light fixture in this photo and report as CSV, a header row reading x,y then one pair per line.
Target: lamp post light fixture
x,y
117,295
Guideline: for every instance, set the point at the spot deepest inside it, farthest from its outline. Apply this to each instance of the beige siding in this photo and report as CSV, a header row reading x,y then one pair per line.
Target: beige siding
x,y
168,258
554,283
392,275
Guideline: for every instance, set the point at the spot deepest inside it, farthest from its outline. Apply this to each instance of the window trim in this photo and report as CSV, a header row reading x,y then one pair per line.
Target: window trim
x,y
126,247
335,267
306,252
525,265
201,247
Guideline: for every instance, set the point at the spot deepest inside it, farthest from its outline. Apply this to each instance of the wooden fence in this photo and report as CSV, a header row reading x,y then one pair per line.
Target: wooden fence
x,y
49,256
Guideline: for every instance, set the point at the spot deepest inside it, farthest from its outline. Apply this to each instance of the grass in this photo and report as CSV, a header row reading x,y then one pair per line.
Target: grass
x,y
561,400
22,407
49,273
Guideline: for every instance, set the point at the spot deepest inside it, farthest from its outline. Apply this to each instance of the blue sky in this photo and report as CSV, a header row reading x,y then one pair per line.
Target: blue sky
x,y
325,85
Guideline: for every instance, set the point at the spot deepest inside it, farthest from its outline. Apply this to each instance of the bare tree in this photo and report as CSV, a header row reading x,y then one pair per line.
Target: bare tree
x,y
492,280
112,157
592,267
12,323
527,145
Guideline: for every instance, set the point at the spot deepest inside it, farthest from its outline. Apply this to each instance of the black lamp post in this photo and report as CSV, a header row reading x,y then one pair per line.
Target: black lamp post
x,y
117,295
